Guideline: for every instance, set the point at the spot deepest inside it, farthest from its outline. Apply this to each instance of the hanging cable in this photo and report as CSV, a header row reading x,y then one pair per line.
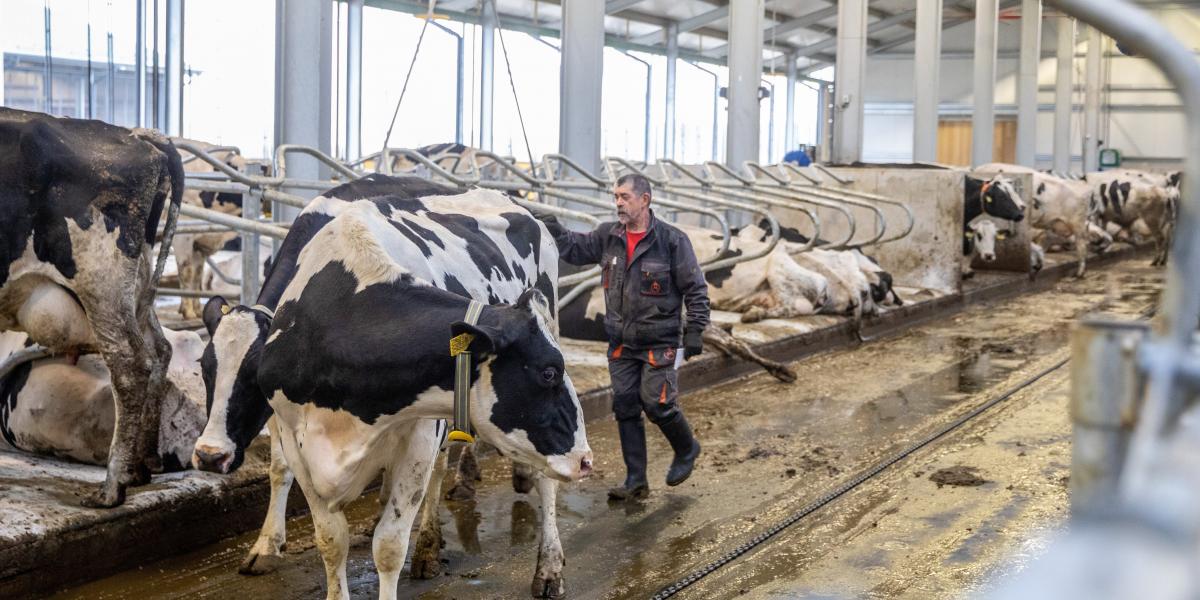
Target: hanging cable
x,y
337,82
512,84
411,65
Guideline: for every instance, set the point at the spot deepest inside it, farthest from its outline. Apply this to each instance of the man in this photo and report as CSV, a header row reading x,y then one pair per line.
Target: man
x,y
649,271
798,157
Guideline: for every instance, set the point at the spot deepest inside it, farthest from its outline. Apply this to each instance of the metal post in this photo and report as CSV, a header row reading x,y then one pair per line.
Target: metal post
x,y
789,114
1062,94
770,122
487,70
745,71
112,82
156,93
47,68
174,67
1104,404
927,55
460,87
581,71
851,71
983,119
672,32
715,104
139,65
1027,82
353,141
303,80
1091,102
825,120
251,284
646,117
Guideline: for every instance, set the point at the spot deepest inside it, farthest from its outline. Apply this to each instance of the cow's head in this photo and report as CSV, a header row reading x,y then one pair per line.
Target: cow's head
x,y
1001,200
526,406
237,408
984,235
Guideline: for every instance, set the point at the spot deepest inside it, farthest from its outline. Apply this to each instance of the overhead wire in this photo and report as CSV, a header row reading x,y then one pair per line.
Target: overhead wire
x,y
512,83
407,77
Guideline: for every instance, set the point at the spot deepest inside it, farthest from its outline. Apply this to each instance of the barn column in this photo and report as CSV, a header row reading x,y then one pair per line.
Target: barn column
x,y
487,71
789,115
927,54
1091,101
354,23
1027,83
672,32
1062,94
303,65
745,71
174,80
850,73
983,119
579,93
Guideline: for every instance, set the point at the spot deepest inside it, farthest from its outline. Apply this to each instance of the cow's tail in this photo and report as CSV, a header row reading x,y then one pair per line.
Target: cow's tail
x,y
175,174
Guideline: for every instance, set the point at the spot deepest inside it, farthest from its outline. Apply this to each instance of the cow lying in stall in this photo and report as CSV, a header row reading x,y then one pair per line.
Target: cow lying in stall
x,y
58,408
80,203
1127,198
398,256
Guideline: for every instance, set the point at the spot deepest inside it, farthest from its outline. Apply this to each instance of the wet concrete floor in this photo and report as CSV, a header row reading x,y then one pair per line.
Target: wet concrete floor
x,y
770,448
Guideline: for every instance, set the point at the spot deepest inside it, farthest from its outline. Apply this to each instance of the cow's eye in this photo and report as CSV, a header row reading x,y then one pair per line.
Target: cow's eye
x,y
549,374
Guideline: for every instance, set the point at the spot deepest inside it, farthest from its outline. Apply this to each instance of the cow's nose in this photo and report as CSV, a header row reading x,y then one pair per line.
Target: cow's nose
x,y
1020,217
989,257
207,458
585,465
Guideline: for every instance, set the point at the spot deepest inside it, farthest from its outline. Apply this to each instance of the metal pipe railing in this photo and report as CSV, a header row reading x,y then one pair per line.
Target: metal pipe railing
x,y
816,184
784,187
233,222
280,164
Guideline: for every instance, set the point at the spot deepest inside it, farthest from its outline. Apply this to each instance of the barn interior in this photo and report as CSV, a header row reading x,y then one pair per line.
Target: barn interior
x,y
905,391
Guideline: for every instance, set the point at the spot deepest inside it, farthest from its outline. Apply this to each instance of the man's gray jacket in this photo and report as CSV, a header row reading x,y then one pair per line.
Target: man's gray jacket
x,y
643,298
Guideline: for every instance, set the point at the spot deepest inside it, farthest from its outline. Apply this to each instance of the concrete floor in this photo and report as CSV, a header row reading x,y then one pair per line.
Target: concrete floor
x,y
770,448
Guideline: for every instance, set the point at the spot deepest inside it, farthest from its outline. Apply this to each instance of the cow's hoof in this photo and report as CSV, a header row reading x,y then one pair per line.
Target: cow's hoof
x,y
522,482
754,315
551,586
260,564
425,565
105,497
461,492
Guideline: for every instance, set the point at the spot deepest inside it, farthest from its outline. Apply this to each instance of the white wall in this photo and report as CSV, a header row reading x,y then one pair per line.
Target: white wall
x,y
1142,124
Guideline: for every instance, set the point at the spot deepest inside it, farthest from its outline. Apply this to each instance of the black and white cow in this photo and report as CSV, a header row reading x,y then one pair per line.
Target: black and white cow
x,y
80,203
1125,199
398,257
59,407
980,241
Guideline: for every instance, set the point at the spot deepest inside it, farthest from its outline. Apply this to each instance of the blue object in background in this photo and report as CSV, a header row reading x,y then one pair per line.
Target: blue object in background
x,y
797,157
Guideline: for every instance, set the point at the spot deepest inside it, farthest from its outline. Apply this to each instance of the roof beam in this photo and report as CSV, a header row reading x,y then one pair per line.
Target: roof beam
x,y
685,25
616,6
784,28
875,27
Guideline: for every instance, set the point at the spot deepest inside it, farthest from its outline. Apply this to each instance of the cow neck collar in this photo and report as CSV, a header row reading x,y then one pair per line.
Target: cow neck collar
x,y
460,429
266,311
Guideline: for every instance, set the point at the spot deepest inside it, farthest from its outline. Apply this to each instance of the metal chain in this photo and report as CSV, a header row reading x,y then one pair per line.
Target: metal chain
x,y
841,490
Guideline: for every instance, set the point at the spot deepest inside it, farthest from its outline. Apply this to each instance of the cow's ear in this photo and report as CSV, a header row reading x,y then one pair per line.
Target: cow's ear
x,y
532,299
214,309
1000,235
475,338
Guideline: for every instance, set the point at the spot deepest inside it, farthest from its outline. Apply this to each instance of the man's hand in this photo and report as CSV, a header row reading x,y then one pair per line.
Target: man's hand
x,y
693,344
551,222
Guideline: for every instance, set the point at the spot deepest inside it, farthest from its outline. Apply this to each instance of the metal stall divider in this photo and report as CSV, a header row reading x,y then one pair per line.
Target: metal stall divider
x,y
782,187
817,185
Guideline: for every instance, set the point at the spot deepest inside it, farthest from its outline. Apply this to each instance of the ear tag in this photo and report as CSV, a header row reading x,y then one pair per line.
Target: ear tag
x,y
460,343
224,309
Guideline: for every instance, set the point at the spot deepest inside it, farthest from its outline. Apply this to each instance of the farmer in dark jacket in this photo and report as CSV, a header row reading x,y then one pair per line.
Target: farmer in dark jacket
x,y
650,272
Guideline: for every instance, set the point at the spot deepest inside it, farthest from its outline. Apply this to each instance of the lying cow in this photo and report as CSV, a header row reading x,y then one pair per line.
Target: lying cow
x,y
80,203
398,257
1125,200
1060,209
51,406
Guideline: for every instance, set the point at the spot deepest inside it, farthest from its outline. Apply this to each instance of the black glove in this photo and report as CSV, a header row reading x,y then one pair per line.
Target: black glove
x,y
556,229
693,344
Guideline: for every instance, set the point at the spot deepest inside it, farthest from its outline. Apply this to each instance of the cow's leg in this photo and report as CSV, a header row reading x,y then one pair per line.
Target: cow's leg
x,y
466,473
130,361
266,554
416,459
1081,252
522,477
333,541
191,276
157,384
426,561
548,578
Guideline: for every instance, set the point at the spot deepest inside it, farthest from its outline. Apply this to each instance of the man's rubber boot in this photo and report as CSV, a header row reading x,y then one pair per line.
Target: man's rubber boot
x,y
686,448
633,449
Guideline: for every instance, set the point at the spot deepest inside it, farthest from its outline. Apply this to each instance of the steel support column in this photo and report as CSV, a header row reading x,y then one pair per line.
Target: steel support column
x,y
789,114
849,75
139,64
927,55
354,31
984,117
745,71
1062,94
582,71
1091,101
1027,82
487,70
47,66
303,86
175,48
672,33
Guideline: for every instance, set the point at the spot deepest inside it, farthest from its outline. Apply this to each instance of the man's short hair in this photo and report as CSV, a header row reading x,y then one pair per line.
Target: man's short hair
x,y
640,184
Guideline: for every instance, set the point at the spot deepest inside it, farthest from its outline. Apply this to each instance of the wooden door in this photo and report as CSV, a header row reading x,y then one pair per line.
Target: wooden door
x,y
954,141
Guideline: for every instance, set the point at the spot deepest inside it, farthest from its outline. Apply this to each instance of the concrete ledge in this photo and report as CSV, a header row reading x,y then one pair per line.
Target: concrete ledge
x,y
48,541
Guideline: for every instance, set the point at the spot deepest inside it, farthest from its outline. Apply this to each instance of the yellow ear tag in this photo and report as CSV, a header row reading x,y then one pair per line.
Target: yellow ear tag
x,y
224,309
460,343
